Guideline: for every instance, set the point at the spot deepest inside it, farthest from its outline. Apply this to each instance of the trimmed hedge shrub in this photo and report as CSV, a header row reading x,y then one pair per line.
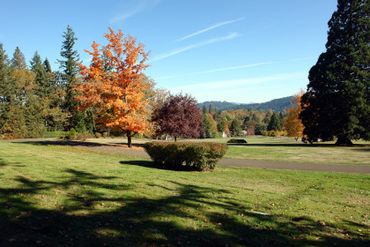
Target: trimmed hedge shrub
x,y
237,141
185,155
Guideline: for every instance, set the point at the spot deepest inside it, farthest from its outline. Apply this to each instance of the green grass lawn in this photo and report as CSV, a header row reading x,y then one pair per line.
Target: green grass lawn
x,y
285,149
61,195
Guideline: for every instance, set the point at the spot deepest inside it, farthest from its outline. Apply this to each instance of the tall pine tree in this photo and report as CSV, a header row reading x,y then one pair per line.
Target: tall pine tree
x,y
70,67
337,101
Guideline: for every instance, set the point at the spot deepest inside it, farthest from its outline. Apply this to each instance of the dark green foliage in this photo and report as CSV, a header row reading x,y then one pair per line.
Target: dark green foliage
x,y
237,141
185,155
337,101
70,66
70,61
274,123
235,127
47,66
42,80
34,116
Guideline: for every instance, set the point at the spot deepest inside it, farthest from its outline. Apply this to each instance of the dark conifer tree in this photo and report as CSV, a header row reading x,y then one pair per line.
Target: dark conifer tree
x,y
70,68
47,66
337,101
42,80
274,123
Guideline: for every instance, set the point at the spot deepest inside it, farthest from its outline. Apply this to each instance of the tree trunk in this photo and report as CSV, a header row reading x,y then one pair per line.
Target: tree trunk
x,y
343,141
129,142
175,138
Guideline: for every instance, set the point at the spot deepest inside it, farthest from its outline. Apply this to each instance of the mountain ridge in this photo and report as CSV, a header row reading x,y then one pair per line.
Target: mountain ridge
x,y
278,105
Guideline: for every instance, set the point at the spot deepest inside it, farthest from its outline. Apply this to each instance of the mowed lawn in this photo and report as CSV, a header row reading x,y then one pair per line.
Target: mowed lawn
x,y
287,149
62,195
284,149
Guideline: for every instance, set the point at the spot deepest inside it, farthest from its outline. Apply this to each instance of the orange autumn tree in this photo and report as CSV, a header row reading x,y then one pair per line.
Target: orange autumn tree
x,y
293,124
112,87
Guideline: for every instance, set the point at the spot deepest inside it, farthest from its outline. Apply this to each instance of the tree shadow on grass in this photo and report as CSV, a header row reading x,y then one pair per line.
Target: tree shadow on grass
x,y
144,220
151,164
3,163
62,143
75,143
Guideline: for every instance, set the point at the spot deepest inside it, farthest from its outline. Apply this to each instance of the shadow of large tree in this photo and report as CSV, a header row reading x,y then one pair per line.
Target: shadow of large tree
x,y
142,221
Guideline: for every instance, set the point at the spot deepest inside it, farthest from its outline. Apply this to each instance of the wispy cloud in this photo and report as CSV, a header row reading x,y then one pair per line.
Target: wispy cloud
x,y
247,89
236,83
229,68
131,10
177,51
235,67
209,28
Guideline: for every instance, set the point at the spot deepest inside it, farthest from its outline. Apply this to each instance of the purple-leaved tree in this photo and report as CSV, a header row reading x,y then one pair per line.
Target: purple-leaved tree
x,y
179,116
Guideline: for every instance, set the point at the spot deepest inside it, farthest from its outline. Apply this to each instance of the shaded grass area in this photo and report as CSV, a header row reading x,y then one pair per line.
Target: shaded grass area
x,y
65,195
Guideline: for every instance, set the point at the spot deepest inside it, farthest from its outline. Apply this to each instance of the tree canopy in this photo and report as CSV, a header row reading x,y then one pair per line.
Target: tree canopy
x,y
113,85
178,117
337,101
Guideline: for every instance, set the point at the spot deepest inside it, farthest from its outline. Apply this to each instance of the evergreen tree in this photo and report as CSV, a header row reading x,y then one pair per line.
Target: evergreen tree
x,y
70,67
47,66
337,101
274,124
55,117
42,80
18,60
209,126
235,127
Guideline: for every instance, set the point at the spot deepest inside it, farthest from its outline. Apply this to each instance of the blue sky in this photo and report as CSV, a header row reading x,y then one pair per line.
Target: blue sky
x,y
234,50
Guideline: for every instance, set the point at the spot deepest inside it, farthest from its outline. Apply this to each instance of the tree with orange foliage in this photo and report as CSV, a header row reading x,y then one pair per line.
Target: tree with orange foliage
x,y
112,86
293,124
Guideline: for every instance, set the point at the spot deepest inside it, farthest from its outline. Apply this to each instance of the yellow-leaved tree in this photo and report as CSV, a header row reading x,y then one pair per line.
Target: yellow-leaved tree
x,y
292,123
112,86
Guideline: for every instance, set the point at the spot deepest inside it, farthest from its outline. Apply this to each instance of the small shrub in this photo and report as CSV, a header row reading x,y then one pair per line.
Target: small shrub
x,y
274,133
98,135
185,155
71,134
237,141
74,135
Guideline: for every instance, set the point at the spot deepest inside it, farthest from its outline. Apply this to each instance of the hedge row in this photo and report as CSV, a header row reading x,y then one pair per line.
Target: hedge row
x,y
185,155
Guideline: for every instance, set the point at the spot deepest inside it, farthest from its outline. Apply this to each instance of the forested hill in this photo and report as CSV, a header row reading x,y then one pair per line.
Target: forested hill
x,y
275,105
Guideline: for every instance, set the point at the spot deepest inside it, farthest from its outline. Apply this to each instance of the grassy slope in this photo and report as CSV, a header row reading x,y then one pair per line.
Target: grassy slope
x,y
66,195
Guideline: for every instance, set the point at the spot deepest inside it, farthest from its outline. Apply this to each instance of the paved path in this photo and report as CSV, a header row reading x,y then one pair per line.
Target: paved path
x,y
138,152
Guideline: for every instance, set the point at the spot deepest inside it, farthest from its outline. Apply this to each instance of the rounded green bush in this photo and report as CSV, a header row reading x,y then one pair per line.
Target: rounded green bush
x,y
186,155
